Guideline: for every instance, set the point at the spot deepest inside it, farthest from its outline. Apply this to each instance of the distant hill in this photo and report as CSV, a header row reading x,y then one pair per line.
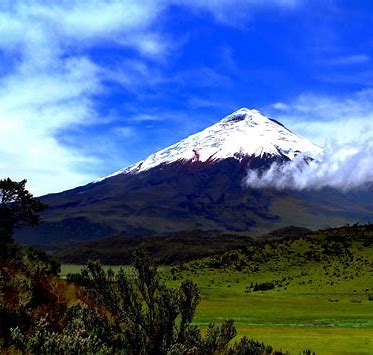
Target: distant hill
x,y
188,246
290,231
337,260
181,247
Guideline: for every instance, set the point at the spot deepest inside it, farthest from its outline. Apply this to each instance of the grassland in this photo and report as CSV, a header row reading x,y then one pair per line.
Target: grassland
x,y
294,321
320,286
76,268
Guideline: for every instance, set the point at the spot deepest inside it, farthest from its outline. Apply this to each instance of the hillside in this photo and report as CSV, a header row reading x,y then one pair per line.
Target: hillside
x,y
314,290
187,197
170,249
181,247
320,261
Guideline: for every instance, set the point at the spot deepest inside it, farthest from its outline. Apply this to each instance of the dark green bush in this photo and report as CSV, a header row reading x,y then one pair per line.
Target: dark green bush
x,y
148,317
248,346
265,286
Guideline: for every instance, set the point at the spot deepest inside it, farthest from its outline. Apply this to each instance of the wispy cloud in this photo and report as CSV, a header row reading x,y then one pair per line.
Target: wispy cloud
x,y
349,60
52,84
234,12
281,106
327,118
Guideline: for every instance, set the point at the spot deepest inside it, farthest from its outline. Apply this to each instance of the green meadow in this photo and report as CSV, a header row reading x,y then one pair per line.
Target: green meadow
x,y
314,292
294,321
326,322
76,268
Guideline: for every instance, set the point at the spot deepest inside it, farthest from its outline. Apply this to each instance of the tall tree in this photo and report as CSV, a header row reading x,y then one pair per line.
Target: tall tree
x,y
17,207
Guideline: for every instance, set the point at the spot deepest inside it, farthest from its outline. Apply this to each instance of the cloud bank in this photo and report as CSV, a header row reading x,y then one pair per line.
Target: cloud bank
x,y
343,125
343,167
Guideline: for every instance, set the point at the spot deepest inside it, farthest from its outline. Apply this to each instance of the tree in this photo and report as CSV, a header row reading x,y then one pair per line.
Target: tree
x,y
25,274
17,207
147,316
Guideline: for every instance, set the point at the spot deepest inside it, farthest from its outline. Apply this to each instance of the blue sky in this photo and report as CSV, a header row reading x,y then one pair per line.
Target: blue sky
x,y
87,88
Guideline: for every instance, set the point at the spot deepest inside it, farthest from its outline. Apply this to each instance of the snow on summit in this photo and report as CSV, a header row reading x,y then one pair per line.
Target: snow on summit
x,y
243,133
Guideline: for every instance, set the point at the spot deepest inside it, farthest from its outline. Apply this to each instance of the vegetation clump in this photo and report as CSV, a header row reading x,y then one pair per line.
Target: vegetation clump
x,y
265,286
17,207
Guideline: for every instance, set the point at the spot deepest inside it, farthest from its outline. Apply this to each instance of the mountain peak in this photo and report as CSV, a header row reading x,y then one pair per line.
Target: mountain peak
x,y
243,133
253,116
244,114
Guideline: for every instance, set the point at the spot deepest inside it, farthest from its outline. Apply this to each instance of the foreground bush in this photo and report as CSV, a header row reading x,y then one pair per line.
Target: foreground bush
x,y
82,335
146,316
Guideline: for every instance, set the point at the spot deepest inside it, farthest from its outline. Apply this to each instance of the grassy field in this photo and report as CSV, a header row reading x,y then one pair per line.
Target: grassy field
x,y
320,296
294,321
327,323
75,269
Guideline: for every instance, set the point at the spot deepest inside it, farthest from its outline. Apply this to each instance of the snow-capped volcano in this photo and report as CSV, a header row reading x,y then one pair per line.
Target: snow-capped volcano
x,y
197,184
244,133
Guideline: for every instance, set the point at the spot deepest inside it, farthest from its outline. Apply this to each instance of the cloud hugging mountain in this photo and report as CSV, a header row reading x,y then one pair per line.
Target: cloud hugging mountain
x,y
344,167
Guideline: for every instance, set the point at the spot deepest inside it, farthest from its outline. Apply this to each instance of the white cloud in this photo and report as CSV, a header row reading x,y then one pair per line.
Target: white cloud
x,y
325,119
280,106
74,20
344,167
125,132
33,108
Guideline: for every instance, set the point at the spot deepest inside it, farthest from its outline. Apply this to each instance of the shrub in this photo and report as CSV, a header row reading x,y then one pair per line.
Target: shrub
x,y
248,346
265,286
83,334
148,317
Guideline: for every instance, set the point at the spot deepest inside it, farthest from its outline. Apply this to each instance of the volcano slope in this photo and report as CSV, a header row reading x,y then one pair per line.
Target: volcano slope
x,y
187,197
